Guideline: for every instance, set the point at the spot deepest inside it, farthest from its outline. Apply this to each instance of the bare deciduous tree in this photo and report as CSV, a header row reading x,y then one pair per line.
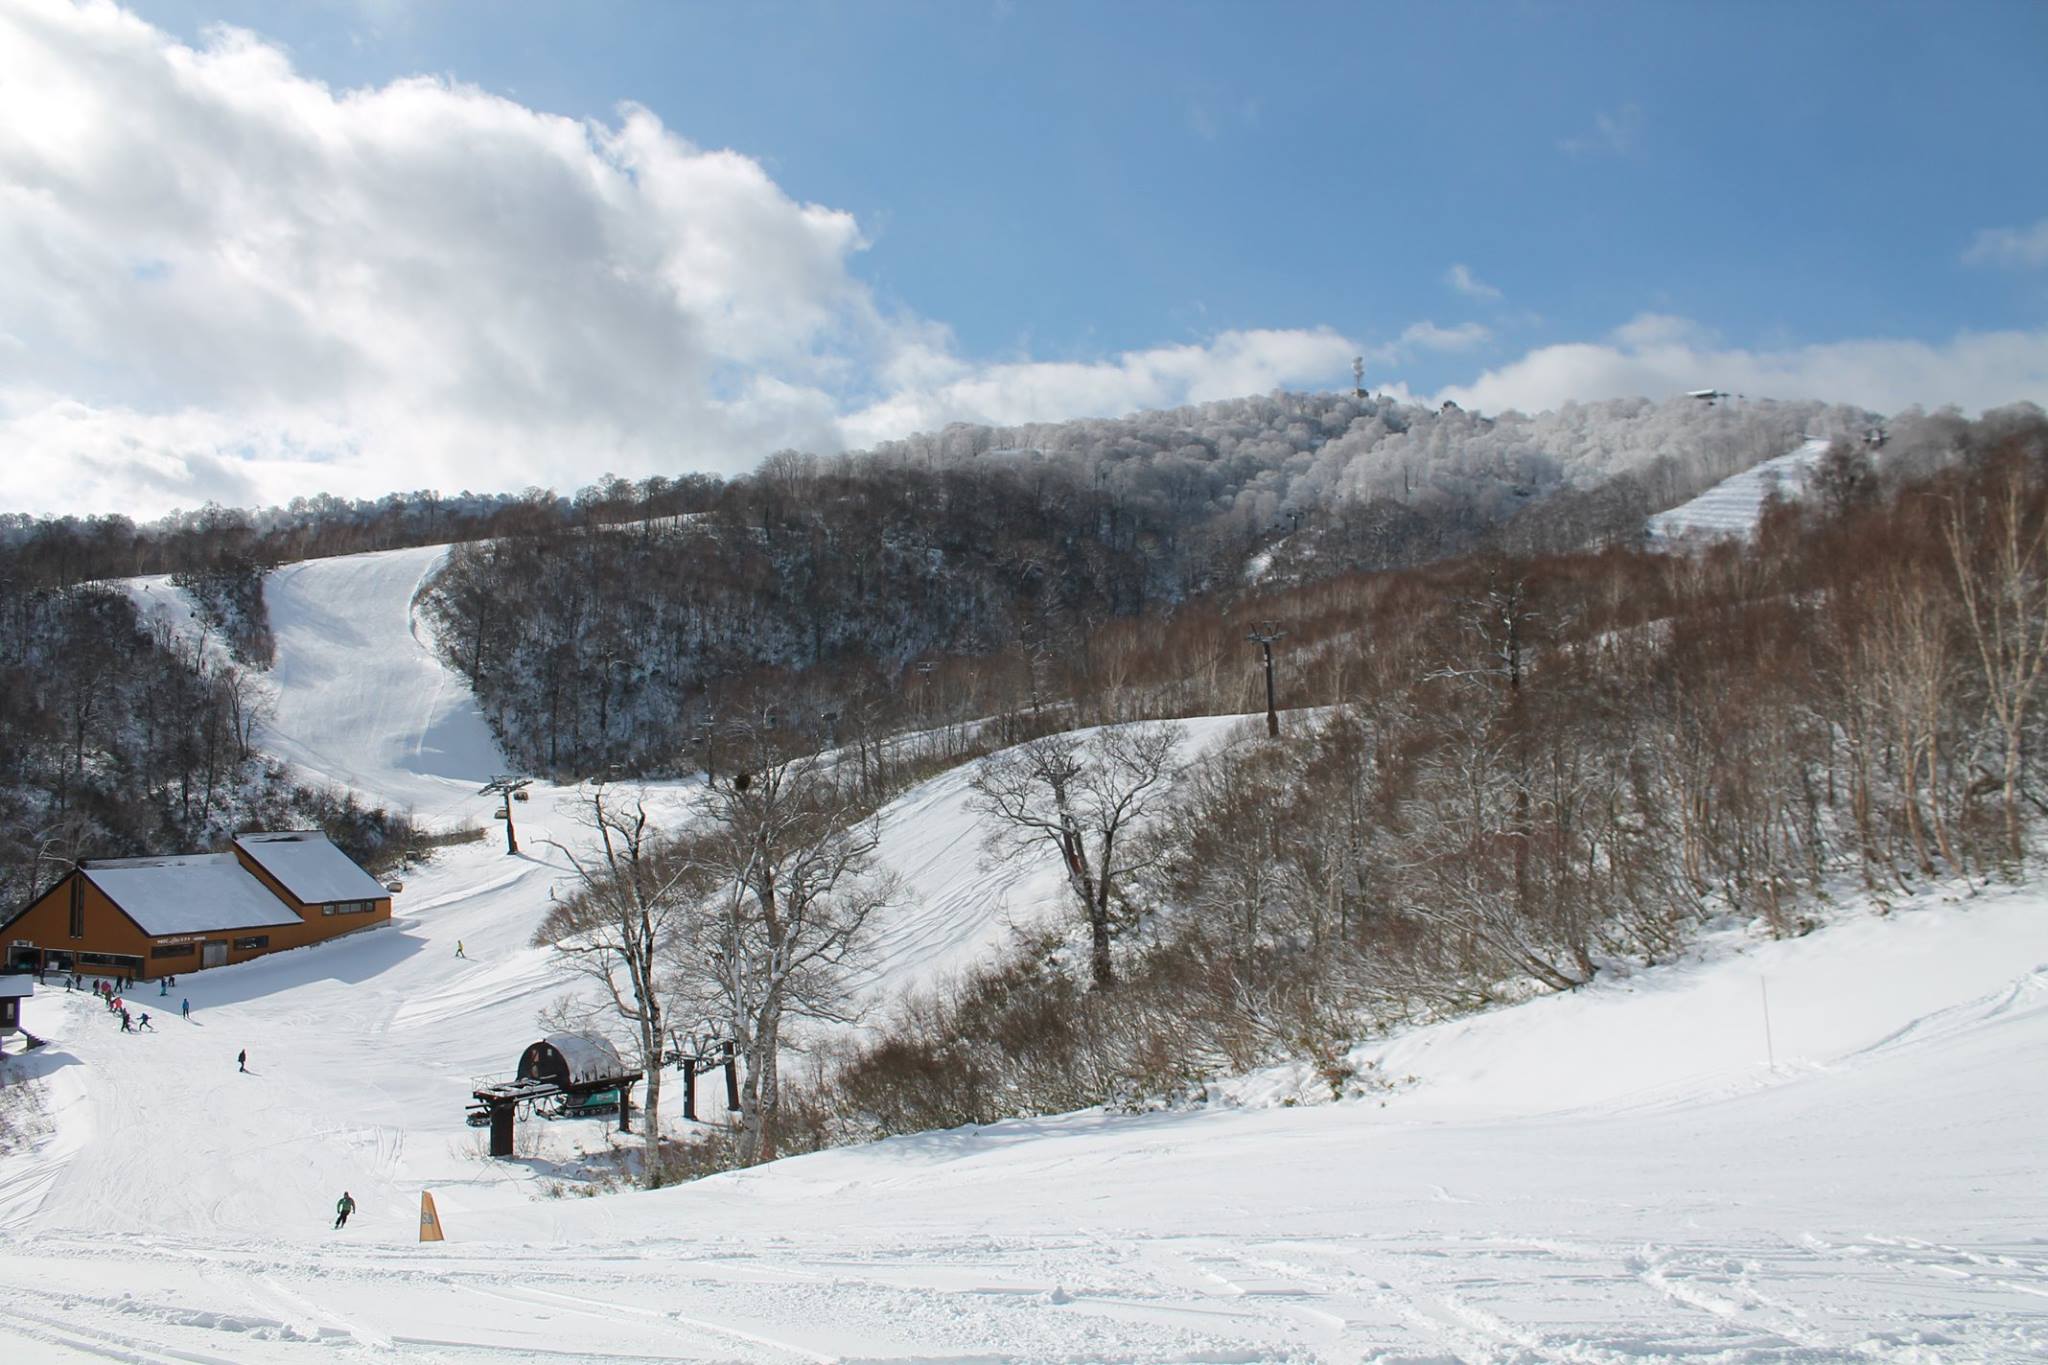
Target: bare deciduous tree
x,y
618,929
791,848
1080,797
1998,546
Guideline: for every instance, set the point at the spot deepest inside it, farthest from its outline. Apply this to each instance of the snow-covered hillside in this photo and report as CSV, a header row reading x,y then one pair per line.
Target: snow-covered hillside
x,y
1639,1171
1608,1176
360,699
1732,506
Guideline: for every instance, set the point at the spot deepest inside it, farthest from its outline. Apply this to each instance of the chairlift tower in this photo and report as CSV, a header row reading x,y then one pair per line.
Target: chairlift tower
x,y
511,787
1358,376
1264,637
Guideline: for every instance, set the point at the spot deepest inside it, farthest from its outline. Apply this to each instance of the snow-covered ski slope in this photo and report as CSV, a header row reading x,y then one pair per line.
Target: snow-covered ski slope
x,y
1617,1175
1732,506
1635,1172
360,699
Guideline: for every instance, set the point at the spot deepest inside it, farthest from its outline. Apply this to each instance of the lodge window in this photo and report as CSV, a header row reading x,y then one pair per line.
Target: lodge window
x,y
253,941
77,906
348,908
123,961
172,950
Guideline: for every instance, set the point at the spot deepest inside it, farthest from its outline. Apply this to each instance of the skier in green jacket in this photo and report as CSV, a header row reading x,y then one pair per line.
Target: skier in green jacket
x,y
343,1207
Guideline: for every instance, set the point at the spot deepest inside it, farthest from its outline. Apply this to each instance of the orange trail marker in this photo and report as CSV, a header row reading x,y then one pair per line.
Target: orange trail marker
x,y
430,1221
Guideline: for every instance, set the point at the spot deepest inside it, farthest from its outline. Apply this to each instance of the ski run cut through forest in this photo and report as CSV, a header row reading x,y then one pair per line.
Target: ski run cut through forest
x,y
1813,1148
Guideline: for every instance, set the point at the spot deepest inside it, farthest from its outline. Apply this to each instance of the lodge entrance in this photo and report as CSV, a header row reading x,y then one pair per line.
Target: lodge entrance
x,y
213,954
27,957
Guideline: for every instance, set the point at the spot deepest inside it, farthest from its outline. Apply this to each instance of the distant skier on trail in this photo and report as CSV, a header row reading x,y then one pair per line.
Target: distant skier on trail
x,y
242,1060
458,950
343,1207
185,1009
145,1023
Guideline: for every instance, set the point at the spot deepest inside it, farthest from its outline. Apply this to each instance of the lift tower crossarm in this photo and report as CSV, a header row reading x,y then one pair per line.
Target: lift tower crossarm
x,y
507,785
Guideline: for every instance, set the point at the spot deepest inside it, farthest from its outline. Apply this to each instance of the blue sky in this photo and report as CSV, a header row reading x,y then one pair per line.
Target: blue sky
x,y
1514,204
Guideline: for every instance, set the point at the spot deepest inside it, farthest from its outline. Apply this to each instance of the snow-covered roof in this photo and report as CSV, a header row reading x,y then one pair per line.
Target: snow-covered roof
x,y
190,894
590,1058
17,986
310,867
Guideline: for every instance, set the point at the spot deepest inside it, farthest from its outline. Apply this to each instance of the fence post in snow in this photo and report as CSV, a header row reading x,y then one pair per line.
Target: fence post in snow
x,y
1770,1048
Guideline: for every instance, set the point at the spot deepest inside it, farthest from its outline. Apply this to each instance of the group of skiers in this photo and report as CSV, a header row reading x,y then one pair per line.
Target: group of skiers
x,y
117,1004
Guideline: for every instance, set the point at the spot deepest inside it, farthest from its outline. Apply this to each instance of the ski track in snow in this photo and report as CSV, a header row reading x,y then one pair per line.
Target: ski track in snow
x,y
1612,1176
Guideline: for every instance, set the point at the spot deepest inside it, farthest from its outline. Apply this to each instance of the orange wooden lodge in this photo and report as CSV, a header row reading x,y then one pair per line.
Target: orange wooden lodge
x,y
141,918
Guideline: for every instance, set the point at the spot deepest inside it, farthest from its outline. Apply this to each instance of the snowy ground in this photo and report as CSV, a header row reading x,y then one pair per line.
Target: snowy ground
x,y
1635,1172
1617,1175
1732,506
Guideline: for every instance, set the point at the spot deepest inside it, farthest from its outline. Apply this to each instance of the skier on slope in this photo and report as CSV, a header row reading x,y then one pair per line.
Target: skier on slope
x,y
343,1207
185,1009
242,1060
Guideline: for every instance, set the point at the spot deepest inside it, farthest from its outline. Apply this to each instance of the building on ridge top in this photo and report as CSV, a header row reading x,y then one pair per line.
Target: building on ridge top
x,y
141,918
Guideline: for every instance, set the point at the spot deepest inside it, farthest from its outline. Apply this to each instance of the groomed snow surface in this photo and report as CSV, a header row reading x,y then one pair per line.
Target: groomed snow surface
x,y
1733,506
1635,1172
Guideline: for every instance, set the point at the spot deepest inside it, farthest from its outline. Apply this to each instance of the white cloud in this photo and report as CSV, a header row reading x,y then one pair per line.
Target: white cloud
x,y
1613,134
1461,278
1427,336
1645,331
225,280
2014,248
1657,355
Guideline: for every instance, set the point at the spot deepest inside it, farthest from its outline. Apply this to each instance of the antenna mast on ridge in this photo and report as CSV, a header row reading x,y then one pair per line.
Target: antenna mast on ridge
x,y
1358,376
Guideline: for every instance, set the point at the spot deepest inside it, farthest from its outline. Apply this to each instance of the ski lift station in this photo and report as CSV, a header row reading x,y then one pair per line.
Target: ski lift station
x,y
581,1076
570,1060
563,1076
